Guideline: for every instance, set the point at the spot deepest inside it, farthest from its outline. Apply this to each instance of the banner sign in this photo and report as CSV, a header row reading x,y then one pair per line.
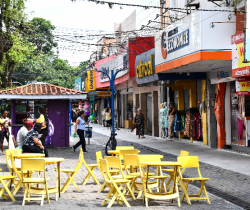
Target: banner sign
x,y
248,31
242,86
240,69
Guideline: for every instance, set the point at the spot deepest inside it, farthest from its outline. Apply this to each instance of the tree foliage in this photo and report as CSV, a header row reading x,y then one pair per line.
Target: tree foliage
x,y
26,49
41,35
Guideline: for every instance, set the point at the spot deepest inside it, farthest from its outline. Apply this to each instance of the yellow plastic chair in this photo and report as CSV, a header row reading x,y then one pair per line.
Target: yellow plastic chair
x,y
112,172
158,176
39,166
131,165
90,168
115,164
8,159
72,173
8,179
192,162
128,152
116,186
171,171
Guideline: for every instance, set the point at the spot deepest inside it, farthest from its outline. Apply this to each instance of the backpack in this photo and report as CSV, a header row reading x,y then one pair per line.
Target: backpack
x,y
51,128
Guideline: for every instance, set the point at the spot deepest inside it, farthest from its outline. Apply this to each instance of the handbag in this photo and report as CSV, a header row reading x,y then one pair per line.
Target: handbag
x,y
133,127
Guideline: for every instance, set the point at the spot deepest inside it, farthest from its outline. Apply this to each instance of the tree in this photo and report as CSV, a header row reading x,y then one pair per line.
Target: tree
x,y
18,54
41,35
11,18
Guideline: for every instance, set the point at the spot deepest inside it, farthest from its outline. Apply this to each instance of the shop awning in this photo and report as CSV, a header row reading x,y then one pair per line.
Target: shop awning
x,y
41,91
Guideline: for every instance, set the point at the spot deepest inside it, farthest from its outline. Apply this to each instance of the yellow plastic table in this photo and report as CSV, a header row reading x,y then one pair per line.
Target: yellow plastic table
x,y
48,160
57,161
160,196
116,152
28,155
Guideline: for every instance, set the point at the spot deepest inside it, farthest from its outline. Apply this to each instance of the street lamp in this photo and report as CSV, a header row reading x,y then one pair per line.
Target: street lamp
x,y
112,139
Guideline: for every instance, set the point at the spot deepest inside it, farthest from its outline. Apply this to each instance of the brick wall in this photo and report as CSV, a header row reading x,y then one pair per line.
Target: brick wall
x,y
240,22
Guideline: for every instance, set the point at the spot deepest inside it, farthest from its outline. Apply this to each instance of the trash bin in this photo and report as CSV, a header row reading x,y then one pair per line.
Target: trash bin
x,y
88,132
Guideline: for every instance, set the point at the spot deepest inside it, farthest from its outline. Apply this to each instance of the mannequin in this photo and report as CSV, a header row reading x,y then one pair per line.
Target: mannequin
x,y
166,118
162,120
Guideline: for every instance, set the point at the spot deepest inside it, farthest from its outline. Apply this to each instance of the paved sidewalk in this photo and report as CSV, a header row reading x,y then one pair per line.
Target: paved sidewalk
x,y
89,198
224,159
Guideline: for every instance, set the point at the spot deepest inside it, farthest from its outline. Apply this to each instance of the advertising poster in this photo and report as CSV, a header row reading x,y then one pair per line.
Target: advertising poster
x,y
238,117
248,32
240,69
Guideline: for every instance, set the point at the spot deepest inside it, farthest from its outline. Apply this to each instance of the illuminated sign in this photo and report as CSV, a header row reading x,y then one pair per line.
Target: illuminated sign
x,y
145,69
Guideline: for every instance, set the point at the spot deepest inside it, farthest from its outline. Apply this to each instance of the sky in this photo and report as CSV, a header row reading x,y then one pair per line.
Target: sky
x,y
79,15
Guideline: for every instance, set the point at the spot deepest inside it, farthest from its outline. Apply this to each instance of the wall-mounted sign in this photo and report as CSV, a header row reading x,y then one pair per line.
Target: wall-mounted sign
x,y
240,69
91,80
174,43
113,63
248,32
221,76
145,69
242,86
106,70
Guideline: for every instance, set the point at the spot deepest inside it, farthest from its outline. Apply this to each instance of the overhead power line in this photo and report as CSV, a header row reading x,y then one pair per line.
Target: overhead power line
x,y
158,7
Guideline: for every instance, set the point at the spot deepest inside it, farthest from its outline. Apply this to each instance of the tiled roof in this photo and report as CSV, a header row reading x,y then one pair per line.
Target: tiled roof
x,y
40,89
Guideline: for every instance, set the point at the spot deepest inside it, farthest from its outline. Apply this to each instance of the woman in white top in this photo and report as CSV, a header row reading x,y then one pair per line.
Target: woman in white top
x,y
28,125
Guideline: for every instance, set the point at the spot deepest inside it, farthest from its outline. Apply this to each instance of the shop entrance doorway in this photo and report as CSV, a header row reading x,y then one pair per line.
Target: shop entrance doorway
x,y
149,114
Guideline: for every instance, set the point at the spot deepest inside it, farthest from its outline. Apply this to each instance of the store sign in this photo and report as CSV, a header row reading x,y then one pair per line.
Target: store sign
x,y
114,63
91,81
193,43
145,69
242,86
221,76
106,70
174,43
248,32
239,68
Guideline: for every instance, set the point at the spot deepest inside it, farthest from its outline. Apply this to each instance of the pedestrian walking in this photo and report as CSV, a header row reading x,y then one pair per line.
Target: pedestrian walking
x,y
140,121
22,133
43,119
108,117
80,130
5,128
171,114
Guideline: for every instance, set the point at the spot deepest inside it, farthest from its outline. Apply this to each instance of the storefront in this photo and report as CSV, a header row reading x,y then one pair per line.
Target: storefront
x,y
146,91
240,94
187,54
124,102
26,99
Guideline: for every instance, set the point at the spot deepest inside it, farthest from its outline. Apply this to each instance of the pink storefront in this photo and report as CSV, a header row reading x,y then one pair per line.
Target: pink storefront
x,y
124,106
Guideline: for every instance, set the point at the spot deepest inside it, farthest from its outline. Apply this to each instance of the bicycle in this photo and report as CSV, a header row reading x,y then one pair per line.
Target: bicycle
x,y
111,144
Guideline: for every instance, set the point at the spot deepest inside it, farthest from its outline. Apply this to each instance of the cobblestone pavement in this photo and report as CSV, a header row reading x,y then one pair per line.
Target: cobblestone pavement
x,y
90,199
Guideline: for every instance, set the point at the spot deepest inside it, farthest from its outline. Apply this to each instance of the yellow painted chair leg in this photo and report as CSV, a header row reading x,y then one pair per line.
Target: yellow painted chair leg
x,y
5,187
90,174
131,192
108,196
